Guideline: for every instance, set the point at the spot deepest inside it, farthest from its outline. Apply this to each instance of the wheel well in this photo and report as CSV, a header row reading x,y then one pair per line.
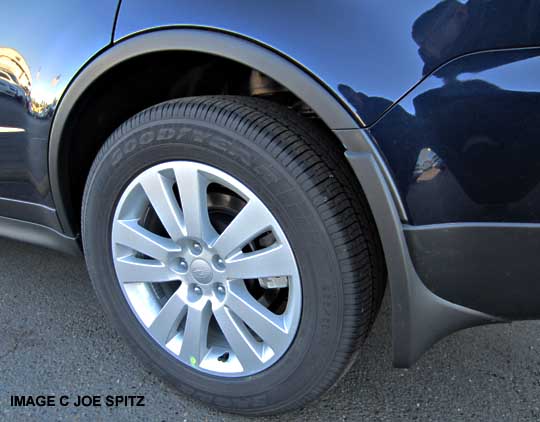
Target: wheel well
x,y
139,83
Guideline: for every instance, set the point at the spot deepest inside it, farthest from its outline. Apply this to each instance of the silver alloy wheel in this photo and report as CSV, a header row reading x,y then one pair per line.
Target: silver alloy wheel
x,y
214,317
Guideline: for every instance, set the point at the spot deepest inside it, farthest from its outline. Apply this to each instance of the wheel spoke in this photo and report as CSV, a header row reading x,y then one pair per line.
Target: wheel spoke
x,y
192,186
194,344
269,262
166,322
245,347
269,326
130,233
136,270
159,191
253,220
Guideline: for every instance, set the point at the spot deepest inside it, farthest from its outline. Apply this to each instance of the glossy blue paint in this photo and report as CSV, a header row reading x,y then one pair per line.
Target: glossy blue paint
x,y
362,46
42,46
465,149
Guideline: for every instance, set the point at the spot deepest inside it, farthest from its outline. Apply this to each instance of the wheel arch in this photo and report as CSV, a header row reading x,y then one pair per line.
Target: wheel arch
x,y
289,74
412,304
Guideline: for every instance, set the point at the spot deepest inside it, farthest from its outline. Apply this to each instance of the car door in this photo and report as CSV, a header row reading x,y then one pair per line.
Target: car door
x,y
42,46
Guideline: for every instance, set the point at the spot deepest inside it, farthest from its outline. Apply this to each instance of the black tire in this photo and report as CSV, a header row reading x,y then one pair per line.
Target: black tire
x,y
301,175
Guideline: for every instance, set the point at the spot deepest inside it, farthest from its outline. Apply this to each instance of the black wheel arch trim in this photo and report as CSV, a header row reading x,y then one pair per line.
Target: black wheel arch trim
x,y
285,71
419,317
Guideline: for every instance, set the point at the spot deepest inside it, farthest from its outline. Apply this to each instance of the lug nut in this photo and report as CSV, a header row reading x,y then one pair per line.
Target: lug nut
x,y
221,290
182,265
196,248
218,262
197,290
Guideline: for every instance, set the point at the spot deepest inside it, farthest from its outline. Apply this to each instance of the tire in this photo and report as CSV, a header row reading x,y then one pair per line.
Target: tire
x,y
300,176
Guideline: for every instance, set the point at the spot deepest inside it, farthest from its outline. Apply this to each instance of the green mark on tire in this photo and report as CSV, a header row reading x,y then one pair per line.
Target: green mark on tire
x,y
193,361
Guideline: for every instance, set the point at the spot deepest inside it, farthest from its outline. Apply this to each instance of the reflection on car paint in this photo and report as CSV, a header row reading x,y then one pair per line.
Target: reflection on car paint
x,y
479,112
42,46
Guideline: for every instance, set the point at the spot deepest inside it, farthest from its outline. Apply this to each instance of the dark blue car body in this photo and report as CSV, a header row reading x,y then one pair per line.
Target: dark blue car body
x,y
446,106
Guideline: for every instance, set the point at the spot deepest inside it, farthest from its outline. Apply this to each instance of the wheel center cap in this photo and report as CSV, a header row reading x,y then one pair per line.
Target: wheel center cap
x,y
201,271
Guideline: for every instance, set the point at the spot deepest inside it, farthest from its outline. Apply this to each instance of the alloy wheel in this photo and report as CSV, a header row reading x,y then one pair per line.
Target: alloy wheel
x,y
216,285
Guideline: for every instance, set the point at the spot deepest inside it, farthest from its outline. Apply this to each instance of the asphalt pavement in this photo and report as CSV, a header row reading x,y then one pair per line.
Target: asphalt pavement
x,y
55,339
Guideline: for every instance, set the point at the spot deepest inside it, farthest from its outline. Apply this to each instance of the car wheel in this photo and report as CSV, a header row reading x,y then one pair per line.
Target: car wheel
x,y
233,248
